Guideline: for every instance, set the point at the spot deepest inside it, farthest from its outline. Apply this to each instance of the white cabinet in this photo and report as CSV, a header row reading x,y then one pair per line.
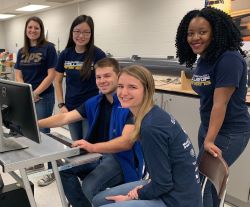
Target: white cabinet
x,y
239,179
185,109
158,99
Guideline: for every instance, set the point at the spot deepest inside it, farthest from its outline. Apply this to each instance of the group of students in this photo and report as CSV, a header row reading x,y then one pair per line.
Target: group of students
x,y
124,124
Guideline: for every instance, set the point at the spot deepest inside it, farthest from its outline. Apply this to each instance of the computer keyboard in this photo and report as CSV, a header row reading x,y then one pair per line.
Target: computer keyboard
x,y
64,140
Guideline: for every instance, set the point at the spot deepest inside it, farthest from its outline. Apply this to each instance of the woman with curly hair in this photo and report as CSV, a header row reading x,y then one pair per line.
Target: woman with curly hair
x,y
220,79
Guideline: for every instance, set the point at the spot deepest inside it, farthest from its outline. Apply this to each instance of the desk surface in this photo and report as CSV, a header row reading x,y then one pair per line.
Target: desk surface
x,y
160,84
48,150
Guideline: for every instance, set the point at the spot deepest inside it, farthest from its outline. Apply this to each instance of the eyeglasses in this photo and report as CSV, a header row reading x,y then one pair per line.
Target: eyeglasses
x,y
84,33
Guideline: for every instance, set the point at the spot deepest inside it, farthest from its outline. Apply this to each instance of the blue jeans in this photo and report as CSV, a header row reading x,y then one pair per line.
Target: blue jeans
x,y
99,199
44,108
96,177
231,145
78,130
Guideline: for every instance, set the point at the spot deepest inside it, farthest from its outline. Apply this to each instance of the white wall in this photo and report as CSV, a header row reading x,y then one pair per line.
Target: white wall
x,y
122,27
2,36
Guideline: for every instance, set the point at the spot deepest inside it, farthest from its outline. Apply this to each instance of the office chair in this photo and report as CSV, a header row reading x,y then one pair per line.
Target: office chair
x,y
214,169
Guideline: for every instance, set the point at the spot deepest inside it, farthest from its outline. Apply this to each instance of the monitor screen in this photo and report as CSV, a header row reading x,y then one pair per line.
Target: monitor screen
x,y
18,110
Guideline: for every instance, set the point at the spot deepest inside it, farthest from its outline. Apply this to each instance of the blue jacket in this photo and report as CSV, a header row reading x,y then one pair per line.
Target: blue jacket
x,y
131,161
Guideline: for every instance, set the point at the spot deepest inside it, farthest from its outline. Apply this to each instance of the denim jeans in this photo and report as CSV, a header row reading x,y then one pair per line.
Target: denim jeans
x,y
44,107
231,145
78,130
99,199
96,177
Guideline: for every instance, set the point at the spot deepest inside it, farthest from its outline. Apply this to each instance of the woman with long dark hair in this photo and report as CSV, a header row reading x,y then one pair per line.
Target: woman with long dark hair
x,y
76,62
35,64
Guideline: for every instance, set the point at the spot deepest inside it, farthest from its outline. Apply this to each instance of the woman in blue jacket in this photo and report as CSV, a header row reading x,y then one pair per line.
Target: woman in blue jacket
x,y
168,152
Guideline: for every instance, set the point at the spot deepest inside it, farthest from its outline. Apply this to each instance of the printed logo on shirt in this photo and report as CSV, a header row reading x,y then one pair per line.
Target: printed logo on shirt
x,y
247,77
197,177
172,119
186,144
201,80
192,153
31,59
72,65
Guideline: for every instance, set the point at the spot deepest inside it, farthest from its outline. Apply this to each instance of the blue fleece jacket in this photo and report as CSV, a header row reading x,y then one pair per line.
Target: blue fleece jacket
x,y
131,161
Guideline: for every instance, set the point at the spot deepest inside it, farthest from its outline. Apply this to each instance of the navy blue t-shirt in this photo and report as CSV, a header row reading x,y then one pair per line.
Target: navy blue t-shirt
x,y
35,66
77,90
170,160
230,70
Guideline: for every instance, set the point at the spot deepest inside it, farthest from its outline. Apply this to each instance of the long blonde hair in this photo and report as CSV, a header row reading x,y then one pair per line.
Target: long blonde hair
x,y
146,79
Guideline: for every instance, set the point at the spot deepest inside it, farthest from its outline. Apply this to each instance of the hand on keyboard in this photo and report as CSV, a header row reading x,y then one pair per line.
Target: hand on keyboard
x,y
66,141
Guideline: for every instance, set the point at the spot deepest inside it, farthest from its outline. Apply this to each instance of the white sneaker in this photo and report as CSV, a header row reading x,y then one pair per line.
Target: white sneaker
x,y
46,180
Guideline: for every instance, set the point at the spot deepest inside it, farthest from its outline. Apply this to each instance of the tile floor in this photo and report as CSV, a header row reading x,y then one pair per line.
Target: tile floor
x,y
44,196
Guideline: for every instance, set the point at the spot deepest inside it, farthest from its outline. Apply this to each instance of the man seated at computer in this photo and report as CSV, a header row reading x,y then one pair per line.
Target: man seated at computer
x,y
107,120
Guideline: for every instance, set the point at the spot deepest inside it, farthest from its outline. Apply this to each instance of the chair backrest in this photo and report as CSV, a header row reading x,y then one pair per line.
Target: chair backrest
x,y
216,170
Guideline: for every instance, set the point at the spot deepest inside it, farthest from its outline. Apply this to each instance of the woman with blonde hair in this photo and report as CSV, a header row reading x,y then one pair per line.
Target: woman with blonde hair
x,y
169,155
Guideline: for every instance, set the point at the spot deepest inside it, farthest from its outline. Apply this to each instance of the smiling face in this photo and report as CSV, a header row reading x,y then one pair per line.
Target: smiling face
x,y
199,35
106,80
33,31
81,35
130,92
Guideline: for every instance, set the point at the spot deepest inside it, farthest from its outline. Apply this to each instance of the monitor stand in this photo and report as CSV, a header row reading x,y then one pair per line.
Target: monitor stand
x,y
8,143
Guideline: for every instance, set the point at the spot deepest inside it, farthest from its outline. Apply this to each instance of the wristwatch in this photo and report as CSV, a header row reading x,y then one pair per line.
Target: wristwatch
x,y
60,105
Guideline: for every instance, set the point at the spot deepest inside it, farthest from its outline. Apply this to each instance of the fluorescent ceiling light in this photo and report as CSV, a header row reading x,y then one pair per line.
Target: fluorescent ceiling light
x,y
32,7
6,16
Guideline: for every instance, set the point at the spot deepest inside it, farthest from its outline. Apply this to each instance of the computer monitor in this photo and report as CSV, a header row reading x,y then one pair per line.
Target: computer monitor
x,y
17,113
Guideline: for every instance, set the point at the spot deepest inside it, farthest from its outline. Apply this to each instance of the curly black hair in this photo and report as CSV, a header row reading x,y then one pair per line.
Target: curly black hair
x,y
226,36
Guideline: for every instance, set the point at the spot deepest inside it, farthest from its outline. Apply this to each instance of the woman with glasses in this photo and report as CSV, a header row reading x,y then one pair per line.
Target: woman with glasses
x,y
76,62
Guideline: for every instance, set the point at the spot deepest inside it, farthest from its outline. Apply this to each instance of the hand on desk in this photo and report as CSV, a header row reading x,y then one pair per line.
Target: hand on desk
x,y
83,144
